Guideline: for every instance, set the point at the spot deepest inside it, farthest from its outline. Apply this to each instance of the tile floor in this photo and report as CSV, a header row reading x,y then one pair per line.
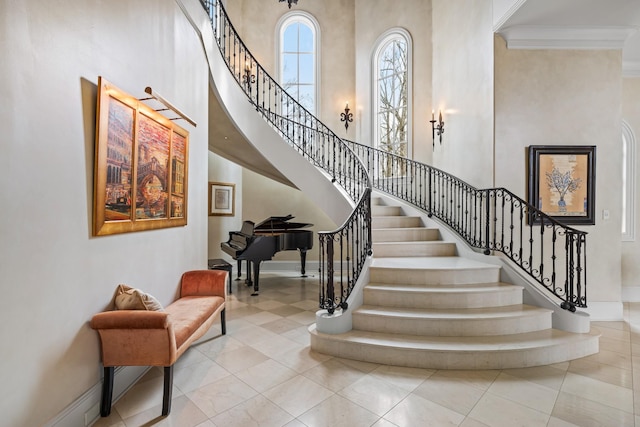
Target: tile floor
x,y
263,373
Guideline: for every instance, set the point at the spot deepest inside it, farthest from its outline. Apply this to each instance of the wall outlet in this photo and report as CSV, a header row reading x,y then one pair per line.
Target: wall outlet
x,y
605,214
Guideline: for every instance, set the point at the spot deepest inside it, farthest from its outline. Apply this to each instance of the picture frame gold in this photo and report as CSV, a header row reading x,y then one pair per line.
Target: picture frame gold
x,y
222,199
562,182
141,166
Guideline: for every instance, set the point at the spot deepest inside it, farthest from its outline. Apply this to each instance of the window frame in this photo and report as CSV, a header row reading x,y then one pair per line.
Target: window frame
x,y
379,47
310,21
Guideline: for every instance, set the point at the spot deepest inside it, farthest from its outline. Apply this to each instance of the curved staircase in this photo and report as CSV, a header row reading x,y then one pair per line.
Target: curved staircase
x,y
426,307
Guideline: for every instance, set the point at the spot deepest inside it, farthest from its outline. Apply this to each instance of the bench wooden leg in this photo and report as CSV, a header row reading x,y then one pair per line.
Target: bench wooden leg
x,y
107,391
168,389
223,323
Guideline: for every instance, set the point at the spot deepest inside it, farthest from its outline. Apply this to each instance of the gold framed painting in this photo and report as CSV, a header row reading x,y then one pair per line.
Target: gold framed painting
x,y
141,166
562,182
222,199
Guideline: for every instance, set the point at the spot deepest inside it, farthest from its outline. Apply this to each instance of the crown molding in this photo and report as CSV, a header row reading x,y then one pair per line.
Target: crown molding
x,y
566,37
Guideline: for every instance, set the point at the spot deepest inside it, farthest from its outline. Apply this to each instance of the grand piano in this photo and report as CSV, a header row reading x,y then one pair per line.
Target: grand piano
x,y
257,243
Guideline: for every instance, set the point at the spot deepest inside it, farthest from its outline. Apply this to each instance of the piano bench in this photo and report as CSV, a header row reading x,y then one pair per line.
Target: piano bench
x,y
220,264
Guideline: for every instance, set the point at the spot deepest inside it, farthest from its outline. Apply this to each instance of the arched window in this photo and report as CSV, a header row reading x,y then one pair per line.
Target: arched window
x,y
298,58
392,95
628,182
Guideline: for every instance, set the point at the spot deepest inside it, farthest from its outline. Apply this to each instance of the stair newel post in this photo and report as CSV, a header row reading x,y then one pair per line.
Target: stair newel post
x,y
487,236
330,290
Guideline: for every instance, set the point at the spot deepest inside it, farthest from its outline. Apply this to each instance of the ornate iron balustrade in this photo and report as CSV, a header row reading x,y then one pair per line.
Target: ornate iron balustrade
x,y
342,252
495,219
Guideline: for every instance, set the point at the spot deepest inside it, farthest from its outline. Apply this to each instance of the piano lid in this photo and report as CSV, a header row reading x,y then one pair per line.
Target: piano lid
x,y
279,223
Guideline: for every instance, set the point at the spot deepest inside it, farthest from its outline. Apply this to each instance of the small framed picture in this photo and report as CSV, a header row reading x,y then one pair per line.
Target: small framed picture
x,y
562,182
222,199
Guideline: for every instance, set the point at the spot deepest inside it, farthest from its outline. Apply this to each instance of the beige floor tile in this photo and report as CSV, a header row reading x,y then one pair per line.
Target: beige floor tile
x,y
183,413
299,335
406,378
214,347
262,317
302,359
599,391
276,347
615,345
384,423
557,422
199,374
280,326
298,395
599,371
498,412
334,374
255,412
450,392
530,394
222,395
416,411
143,396
374,394
548,376
239,359
612,358
266,375
470,422
337,411
584,412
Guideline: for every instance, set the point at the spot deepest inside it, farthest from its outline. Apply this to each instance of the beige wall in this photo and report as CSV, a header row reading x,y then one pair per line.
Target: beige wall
x,y
373,19
463,89
257,24
564,97
631,250
54,275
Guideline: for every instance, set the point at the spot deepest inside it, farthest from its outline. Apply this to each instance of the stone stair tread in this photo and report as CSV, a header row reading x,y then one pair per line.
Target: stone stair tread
x,y
462,289
430,263
453,313
465,344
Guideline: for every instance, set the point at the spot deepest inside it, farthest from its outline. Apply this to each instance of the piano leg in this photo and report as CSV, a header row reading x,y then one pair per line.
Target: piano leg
x,y
248,280
239,269
303,261
256,278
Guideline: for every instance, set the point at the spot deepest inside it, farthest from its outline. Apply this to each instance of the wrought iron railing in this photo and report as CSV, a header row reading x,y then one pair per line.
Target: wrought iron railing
x,y
494,219
552,254
343,252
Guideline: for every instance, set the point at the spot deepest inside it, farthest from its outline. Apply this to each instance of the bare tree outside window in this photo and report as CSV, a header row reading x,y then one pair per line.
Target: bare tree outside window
x,y
392,105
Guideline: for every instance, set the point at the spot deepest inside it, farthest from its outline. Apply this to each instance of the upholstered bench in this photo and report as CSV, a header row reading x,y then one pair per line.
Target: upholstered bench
x,y
159,338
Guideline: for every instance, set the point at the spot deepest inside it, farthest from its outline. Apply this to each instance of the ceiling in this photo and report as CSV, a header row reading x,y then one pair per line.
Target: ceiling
x,y
578,24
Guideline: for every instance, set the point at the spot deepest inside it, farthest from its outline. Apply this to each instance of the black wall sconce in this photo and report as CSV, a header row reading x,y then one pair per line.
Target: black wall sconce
x,y
346,117
248,77
436,128
289,2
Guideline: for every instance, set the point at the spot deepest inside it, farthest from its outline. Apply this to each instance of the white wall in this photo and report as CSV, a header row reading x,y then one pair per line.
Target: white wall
x,y
566,97
631,250
54,274
463,89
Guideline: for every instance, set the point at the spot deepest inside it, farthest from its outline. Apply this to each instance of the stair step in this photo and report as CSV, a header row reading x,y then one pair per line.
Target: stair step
x,y
381,210
495,352
396,221
507,320
413,249
432,271
459,296
405,234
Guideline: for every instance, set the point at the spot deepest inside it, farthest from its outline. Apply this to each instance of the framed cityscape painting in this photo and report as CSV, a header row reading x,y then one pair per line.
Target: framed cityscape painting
x,y
562,182
140,171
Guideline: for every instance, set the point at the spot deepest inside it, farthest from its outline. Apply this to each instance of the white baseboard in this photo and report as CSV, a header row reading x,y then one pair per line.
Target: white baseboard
x,y
85,410
605,311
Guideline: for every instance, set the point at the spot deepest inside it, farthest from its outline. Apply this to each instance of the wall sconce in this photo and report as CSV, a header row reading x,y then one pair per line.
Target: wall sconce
x,y
346,117
439,128
248,78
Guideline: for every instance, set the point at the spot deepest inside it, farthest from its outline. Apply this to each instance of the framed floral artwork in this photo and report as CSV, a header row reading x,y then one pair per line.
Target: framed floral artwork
x,y
562,182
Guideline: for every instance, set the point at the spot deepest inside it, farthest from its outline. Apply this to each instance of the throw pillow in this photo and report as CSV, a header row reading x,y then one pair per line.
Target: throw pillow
x,y
128,298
